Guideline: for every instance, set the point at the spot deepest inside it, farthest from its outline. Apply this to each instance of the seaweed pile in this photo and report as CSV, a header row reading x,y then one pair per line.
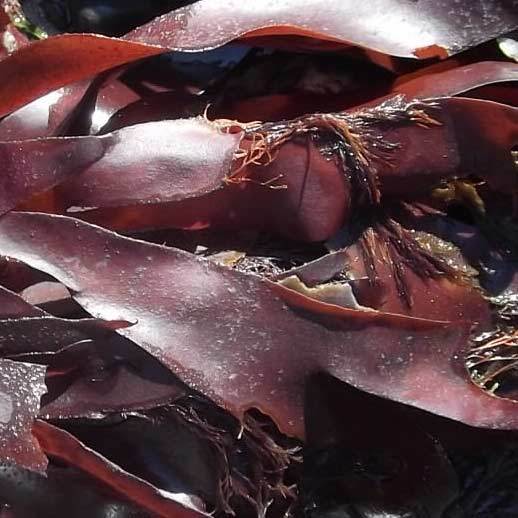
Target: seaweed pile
x,y
259,259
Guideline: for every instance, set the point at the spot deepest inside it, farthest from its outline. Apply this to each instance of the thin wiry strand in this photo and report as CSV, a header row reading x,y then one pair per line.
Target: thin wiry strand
x,y
392,244
493,358
257,447
358,147
398,110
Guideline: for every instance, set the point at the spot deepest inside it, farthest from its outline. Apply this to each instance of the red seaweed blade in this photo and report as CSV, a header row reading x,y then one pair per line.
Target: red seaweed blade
x,y
419,362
